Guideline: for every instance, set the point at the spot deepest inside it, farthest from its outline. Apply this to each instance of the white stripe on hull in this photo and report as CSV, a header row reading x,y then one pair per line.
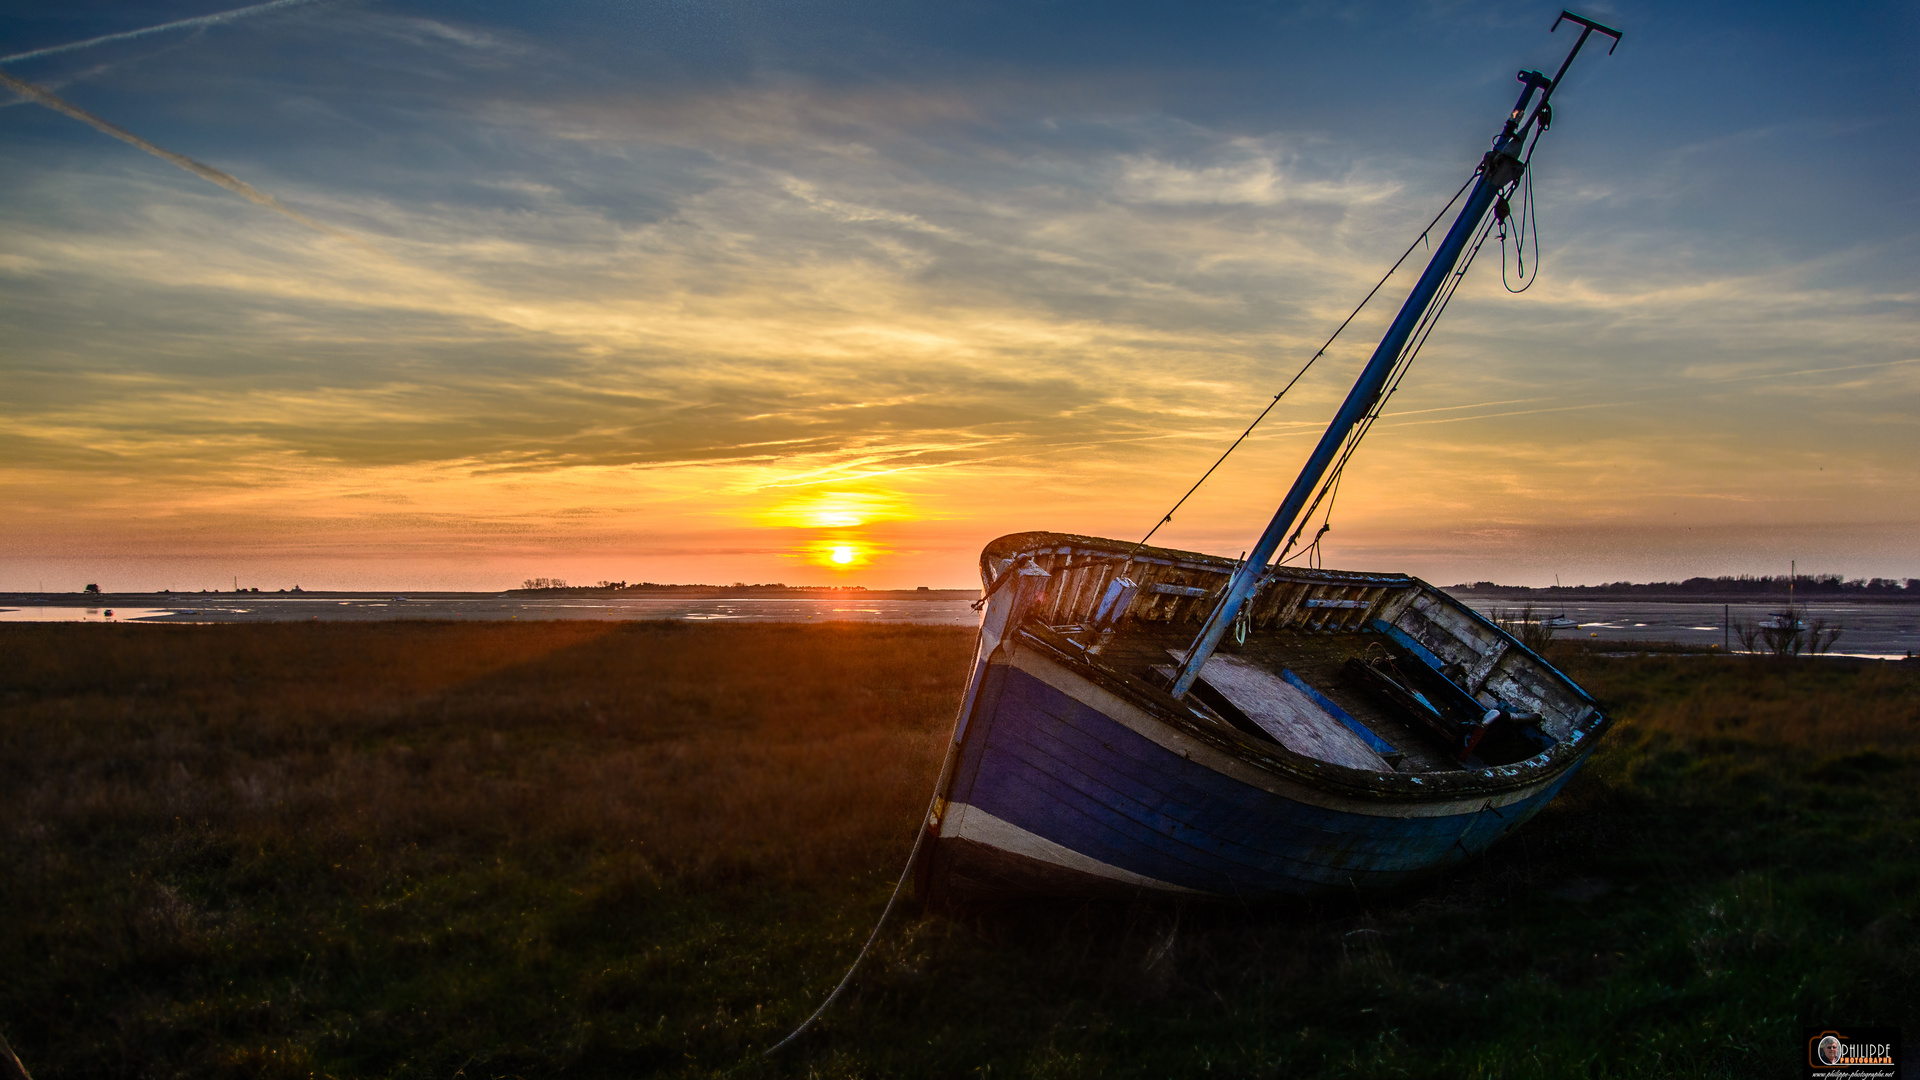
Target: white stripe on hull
x,y
972,823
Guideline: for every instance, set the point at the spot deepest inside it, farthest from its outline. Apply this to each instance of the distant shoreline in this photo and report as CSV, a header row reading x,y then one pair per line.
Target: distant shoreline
x,y
1569,594
1580,594
678,592
792,592
1873,625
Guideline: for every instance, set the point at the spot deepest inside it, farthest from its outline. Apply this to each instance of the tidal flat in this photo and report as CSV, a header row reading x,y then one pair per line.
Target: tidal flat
x,y
530,849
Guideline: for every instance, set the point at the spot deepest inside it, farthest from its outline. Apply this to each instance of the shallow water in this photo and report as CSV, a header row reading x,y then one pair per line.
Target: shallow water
x,y
951,607
96,613
1867,629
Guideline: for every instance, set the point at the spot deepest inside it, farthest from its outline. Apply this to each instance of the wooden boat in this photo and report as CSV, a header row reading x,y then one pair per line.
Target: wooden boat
x,y
1346,743
1140,719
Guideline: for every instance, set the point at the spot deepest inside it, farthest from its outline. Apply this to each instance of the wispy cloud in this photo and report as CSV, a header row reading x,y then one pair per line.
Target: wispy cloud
x,y
43,96
699,306
198,22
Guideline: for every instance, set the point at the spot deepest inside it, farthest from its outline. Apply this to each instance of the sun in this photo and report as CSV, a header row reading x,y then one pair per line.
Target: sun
x,y
840,554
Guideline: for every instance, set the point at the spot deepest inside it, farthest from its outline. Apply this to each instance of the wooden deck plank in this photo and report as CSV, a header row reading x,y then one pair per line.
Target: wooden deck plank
x,y
1318,658
1287,714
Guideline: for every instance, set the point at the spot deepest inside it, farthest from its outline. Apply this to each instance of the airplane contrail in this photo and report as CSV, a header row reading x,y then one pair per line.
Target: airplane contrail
x,y
214,19
43,96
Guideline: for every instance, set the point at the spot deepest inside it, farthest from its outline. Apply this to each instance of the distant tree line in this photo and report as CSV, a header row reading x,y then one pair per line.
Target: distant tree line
x,y
1742,585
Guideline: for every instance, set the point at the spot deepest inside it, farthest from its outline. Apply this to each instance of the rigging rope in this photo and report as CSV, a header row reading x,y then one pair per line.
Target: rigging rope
x,y
1329,487
1418,240
1526,224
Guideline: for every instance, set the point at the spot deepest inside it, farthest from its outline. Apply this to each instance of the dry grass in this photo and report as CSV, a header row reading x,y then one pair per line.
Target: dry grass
x,y
226,842
592,849
1808,706
780,752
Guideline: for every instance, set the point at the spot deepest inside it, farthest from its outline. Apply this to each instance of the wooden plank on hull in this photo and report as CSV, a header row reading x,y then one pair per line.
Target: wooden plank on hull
x,y
1283,711
1477,676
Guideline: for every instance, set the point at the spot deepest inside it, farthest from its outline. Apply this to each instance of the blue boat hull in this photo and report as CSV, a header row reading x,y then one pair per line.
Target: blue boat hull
x,y
1053,795
1074,771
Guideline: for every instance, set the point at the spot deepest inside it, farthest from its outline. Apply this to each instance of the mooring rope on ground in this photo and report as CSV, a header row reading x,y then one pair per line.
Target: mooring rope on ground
x,y
846,979
913,857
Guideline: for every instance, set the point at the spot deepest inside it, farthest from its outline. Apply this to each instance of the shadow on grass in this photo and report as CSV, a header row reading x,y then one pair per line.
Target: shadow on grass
x,y
615,850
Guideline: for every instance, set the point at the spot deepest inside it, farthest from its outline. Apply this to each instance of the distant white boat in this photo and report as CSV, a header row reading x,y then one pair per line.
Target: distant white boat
x,y
1559,621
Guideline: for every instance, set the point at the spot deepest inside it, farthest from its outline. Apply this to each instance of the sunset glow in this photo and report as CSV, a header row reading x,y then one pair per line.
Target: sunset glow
x,y
836,510
799,313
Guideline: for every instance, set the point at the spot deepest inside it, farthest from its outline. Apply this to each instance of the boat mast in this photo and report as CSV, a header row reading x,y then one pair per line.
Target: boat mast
x,y
1498,170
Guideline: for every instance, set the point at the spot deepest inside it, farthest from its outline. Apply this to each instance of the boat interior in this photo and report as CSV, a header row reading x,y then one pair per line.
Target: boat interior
x,y
1377,672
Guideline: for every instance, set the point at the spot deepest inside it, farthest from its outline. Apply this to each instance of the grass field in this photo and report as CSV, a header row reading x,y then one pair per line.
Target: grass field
x,y
598,849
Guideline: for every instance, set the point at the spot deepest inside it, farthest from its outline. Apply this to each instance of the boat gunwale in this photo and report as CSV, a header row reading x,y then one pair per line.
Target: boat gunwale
x,y
1196,560
1275,758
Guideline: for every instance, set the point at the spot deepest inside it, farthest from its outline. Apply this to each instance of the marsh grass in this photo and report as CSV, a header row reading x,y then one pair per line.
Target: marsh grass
x,y
580,849
1526,624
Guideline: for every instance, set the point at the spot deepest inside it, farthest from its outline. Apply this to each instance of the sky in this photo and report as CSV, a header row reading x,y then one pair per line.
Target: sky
x,y
708,292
